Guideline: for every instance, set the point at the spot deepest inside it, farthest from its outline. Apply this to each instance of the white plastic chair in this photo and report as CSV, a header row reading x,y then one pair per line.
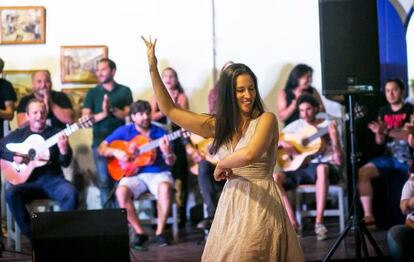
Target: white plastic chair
x,y
303,211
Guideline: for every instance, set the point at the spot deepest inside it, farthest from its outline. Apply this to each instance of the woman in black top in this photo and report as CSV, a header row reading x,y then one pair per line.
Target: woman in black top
x,y
298,83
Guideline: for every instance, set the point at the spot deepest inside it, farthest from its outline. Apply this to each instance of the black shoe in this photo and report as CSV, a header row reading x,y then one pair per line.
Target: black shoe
x,y
161,240
139,241
205,224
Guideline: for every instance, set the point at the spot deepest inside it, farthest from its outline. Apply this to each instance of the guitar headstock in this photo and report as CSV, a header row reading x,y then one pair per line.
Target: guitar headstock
x,y
86,122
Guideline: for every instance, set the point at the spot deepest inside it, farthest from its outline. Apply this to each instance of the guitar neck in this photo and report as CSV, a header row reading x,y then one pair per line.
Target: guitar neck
x,y
325,130
156,143
51,141
321,132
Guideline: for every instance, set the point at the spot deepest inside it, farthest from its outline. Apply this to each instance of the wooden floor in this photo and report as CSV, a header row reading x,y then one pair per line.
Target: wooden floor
x,y
191,243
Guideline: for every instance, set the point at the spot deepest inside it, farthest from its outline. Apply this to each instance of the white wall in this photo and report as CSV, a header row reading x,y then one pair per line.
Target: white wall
x,y
269,35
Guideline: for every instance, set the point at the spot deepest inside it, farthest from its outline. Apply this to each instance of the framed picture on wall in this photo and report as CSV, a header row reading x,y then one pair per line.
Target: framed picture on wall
x,y
22,25
78,63
77,96
21,80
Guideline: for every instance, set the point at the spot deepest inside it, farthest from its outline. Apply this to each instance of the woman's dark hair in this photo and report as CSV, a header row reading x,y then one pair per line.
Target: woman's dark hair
x,y
139,106
306,98
179,87
297,72
398,82
228,117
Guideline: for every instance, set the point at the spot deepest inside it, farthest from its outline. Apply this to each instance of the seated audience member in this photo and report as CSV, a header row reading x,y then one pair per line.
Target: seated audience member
x,y
59,108
155,178
298,83
209,189
394,163
7,100
322,166
208,186
45,181
182,147
400,238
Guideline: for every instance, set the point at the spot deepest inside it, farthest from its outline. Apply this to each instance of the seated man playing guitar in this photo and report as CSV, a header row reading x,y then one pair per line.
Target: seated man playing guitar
x,y
392,128
36,175
318,148
154,177
209,188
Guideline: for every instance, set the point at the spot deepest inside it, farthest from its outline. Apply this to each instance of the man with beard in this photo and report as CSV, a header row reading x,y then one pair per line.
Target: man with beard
x,y
155,178
45,181
394,164
58,106
109,103
323,166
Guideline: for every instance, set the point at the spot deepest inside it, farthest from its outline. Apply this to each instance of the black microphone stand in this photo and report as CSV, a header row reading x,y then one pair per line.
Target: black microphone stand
x,y
356,220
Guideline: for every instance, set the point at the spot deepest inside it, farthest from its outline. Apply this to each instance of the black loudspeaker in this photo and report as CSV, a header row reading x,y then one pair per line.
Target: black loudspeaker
x,y
88,235
349,46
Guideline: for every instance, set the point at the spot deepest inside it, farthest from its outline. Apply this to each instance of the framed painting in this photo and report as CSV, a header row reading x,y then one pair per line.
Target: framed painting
x,y
21,80
22,25
77,96
78,63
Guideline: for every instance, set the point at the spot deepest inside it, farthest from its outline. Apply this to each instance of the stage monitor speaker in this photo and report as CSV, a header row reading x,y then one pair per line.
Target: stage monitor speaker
x,y
87,235
349,46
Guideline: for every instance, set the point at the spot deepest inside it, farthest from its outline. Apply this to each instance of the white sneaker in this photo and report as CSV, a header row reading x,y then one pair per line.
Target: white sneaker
x,y
321,231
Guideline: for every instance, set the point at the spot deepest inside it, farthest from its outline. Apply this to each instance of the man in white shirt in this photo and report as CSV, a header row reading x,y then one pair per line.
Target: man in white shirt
x,y
321,164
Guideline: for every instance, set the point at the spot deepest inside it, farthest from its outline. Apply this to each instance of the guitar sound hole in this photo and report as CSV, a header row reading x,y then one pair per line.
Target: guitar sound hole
x,y
305,142
32,154
137,153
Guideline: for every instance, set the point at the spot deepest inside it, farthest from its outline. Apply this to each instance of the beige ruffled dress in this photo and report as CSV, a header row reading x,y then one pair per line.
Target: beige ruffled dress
x,y
251,223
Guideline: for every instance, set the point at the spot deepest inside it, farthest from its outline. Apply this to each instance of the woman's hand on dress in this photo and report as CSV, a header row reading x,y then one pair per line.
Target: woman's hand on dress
x,y
221,173
152,59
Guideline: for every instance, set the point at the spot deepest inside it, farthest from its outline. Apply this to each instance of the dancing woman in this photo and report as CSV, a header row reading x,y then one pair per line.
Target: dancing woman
x,y
250,222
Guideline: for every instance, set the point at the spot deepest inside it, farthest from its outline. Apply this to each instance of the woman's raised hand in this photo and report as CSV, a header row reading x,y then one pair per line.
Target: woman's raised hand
x,y
152,59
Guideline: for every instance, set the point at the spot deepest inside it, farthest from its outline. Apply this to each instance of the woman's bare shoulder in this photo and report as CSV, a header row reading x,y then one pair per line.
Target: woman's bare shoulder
x,y
268,116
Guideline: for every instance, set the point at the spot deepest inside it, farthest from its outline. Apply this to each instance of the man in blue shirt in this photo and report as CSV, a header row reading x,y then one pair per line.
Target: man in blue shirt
x,y
155,177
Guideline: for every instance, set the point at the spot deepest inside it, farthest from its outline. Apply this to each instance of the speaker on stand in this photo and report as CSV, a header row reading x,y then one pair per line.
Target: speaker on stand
x,y
350,67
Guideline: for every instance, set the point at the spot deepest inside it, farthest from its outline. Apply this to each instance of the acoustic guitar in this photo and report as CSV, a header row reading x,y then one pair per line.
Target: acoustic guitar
x,y
202,145
141,151
35,149
307,142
